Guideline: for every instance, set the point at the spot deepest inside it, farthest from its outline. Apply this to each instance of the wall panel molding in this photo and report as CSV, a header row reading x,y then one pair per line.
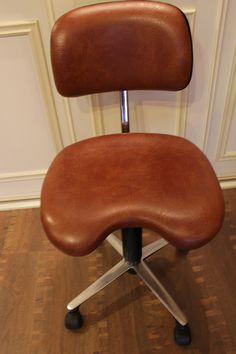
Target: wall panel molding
x,y
98,120
15,181
222,153
50,9
32,31
182,100
50,12
220,25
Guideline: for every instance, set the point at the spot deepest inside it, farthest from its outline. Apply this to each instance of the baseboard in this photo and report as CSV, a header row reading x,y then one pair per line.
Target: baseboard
x,y
34,201
20,190
19,204
227,182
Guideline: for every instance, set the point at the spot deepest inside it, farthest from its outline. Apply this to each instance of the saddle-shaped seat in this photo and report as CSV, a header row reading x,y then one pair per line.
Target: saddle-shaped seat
x,y
160,182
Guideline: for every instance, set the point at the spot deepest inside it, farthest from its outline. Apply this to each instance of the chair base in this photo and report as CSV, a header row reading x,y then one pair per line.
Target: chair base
x,y
140,268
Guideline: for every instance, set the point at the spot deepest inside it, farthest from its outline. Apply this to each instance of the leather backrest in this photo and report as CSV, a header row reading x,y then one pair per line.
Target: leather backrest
x,y
128,45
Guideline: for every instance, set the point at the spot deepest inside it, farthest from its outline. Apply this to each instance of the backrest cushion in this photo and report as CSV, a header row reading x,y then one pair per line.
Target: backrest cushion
x,y
127,45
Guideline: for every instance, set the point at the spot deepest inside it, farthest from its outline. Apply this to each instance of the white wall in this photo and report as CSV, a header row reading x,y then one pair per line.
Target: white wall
x,y
36,122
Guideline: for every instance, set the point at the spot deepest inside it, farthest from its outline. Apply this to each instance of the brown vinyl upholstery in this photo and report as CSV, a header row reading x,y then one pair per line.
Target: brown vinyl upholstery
x,y
160,182
124,45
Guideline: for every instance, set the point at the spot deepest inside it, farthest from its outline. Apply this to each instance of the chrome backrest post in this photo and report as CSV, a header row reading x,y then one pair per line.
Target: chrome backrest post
x,y
124,109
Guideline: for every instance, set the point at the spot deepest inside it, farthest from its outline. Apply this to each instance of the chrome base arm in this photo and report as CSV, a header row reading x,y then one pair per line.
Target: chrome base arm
x,y
153,247
142,270
112,274
116,243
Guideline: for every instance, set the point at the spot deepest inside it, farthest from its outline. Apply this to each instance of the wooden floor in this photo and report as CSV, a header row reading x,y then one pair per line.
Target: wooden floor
x,y
37,281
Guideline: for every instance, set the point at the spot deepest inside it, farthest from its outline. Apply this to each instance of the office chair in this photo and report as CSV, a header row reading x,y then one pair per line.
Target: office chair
x,y
127,181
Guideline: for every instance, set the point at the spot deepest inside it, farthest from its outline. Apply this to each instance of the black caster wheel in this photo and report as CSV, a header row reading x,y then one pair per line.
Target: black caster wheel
x,y
182,334
73,320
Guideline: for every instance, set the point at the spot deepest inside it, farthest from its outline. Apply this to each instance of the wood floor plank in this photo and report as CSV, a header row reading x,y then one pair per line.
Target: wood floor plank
x,y
37,281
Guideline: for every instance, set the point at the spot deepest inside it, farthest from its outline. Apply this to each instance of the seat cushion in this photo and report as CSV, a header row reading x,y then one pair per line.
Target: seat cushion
x,y
159,182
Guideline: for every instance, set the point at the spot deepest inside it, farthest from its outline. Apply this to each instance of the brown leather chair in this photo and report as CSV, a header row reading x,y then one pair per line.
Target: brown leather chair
x,y
127,181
